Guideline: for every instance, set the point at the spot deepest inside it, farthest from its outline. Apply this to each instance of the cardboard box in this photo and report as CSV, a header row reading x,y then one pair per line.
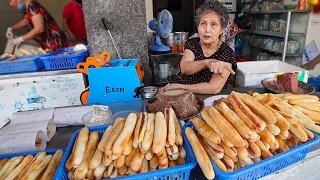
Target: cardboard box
x,y
251,73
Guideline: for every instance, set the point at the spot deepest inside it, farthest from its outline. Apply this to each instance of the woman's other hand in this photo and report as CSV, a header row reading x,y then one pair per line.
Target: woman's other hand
x,y
217,67
169,87
9,33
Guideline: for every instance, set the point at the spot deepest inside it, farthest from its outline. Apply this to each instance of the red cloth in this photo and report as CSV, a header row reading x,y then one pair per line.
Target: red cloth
x,y
74,13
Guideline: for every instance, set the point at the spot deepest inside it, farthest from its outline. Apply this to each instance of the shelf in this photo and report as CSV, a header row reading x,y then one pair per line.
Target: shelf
x,y
278,12
275,53
275,34
268,33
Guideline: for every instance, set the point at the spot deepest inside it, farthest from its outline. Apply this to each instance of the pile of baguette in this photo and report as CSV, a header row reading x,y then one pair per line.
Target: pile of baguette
x,y
23,52
41,166
129,146
246,128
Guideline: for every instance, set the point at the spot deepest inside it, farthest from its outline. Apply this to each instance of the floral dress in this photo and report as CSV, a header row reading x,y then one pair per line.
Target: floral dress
x,y
52,37
223,53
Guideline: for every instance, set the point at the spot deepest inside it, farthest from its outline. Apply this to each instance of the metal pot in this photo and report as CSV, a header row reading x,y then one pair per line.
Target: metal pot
x,y
148,92
176,38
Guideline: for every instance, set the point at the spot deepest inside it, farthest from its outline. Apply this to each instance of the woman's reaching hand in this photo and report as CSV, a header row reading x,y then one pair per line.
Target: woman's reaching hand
x,y
217,67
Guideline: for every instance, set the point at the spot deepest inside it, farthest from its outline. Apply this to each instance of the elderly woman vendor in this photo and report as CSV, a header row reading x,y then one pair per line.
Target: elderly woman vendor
x,y
207,62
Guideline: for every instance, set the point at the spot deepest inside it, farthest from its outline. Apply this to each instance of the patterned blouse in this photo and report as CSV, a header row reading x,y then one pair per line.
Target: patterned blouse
x,y
223,53
52,37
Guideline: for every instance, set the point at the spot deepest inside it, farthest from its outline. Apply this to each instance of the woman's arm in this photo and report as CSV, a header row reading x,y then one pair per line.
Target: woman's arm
x,y
188,64
21,24
214,86
39,27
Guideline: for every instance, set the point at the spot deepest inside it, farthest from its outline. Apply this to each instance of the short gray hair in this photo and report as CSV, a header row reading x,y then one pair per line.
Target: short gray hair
x,y
213,6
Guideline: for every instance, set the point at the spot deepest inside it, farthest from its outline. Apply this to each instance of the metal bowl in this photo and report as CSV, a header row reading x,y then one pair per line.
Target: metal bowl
x,y
202,105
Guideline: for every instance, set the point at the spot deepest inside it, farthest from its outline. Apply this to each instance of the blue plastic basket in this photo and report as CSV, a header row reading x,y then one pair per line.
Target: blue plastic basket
x,y
267,166
49,151
21,65
181,172
56,61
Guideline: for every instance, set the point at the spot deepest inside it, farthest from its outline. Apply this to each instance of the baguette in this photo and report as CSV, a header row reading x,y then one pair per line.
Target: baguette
x,y
83,168
3,162
215,149
258,108
80,146
104,139
115,132
269,138
160,133
282,123
122,170
274,129
206,131
230,133
182,152
10,166
110,169
126,133
245,114
299,132
130,157
96,159
128,147
35,160
181,161
268,100
140,129
114,173
207,118
307,111
284,134
120,161
137,159
314,118
172,164
38,168
179,138
52,166
98,172
254,150
219,163
148,137
145,166
309,134
169,117
300,96
228,162
163,158
200,154
154,162
266,154
149,155
235,120
90,174
13,174
283,146
261,145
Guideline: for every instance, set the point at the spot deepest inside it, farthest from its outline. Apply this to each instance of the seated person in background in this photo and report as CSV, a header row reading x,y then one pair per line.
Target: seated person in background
x,y
73,21
207,62
240,23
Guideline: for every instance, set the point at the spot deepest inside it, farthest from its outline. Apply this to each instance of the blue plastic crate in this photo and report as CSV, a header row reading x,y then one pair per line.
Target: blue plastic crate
x,y
181,172
21,65
264,167
56,61
33,153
